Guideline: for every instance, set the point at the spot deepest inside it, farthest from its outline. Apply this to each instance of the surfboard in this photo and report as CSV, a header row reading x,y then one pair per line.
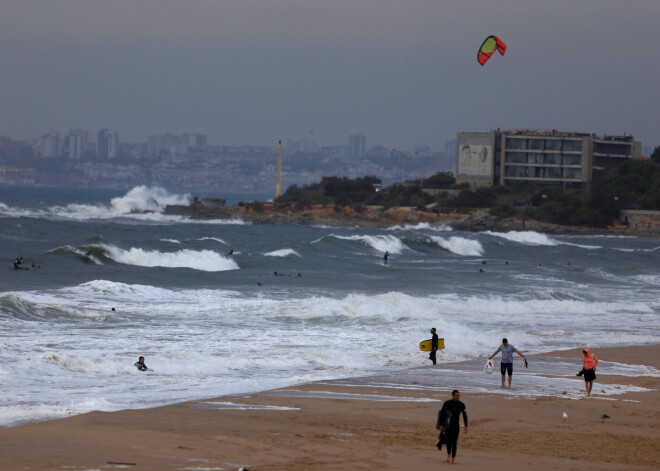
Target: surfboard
x,y
425,346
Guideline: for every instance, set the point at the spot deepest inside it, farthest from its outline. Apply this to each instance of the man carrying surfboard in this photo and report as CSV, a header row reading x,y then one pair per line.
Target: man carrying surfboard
x,y
506,366
434,345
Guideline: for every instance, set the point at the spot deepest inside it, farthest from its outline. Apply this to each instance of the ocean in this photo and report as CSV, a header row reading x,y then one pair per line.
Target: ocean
x,y
291,304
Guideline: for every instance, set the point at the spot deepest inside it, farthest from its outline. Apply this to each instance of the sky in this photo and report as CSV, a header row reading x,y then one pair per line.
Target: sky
x,y
403,73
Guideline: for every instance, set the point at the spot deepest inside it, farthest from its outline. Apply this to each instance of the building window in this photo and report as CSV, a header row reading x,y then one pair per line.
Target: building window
x,y
535,158
572,145
515,157
552,144
572,160
574,173
553,159
535,144
512,143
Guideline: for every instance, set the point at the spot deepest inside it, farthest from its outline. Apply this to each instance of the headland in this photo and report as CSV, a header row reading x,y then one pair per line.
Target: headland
x,y
474,220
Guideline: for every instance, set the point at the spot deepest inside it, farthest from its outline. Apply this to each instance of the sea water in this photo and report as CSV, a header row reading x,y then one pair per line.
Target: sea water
x,y
292,304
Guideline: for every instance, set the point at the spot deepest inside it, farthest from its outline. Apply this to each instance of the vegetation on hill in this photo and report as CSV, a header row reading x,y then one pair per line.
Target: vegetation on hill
x,y
635,184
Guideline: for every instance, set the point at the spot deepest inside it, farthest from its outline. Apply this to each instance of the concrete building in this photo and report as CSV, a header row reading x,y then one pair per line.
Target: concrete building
x,y
538,157
357,146
76,143
107,144
49,146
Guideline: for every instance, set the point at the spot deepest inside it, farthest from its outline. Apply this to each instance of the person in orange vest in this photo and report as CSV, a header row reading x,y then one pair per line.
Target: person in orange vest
x,y
589,364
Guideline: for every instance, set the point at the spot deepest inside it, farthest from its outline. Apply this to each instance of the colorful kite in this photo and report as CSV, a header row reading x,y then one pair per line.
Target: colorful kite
x,y
489,46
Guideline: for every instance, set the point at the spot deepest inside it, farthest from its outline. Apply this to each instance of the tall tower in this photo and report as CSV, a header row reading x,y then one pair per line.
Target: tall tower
x,y
278,186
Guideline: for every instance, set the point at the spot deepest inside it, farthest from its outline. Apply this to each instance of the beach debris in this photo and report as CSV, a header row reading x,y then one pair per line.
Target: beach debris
x,y
564,416
604,416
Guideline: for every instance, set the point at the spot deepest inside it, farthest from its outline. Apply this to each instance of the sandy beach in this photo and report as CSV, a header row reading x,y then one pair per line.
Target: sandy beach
x,y
364,424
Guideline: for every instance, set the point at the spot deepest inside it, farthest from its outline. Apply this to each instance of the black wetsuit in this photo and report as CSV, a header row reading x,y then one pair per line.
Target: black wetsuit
x,y
456,408
140,366
434,347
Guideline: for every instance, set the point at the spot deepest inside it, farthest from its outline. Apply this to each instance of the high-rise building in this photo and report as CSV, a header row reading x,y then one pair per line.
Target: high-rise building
x,y
195,141
76,143
107,144
538,157
357,146
49,146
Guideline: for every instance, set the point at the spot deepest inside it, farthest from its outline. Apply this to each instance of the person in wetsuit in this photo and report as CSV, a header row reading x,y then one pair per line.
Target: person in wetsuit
x,y
434,345
448,418
141,366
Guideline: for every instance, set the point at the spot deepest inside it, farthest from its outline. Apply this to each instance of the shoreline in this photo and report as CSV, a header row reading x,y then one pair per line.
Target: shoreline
x,y
355,425
475,220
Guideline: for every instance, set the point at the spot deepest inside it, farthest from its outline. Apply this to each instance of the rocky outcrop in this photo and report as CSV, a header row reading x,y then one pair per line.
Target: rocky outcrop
x,y
377,216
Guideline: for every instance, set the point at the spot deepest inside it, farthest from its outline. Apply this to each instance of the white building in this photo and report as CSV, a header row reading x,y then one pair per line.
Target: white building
x,y
538,157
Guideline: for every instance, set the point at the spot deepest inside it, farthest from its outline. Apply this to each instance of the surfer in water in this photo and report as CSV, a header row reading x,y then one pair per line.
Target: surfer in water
x,y
506,366
141,366
385,257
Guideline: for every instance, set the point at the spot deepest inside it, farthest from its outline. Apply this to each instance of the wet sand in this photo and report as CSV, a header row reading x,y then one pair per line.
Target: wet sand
x,y
378,422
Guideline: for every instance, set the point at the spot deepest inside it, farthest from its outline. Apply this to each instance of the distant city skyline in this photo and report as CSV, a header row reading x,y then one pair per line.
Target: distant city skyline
x,y
402,74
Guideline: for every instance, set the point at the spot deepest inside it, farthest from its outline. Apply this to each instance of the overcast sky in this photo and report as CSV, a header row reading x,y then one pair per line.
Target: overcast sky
x,y
401,72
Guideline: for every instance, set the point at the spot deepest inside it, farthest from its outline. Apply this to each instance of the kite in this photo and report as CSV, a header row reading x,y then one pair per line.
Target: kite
x,y
489,46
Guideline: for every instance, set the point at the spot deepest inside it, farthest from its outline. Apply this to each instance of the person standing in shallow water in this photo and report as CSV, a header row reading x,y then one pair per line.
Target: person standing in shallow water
x,y
506,366
448,422
434,346
589,364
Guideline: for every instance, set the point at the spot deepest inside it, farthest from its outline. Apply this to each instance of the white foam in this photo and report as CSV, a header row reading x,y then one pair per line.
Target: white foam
x,y
172,241
381,243
214,238
421,226
235,406
204,260
525,237
141,203
536,238
459,245
282,253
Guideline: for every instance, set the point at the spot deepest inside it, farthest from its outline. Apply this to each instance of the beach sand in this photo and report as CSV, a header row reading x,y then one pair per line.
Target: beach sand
x,y
354,426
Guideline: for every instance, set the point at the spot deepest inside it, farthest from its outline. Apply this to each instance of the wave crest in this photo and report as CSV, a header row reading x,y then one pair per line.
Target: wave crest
x,y
459,245
204,260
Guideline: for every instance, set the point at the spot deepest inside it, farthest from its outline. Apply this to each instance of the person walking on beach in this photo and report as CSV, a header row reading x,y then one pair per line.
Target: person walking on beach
x,y
506,366
448,422
434,345
589,364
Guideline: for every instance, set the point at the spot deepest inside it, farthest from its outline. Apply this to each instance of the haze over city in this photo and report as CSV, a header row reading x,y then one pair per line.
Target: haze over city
x,y
401,73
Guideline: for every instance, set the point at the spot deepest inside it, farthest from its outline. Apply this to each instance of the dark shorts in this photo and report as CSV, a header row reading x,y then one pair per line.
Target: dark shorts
x,y
589,375
504,367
